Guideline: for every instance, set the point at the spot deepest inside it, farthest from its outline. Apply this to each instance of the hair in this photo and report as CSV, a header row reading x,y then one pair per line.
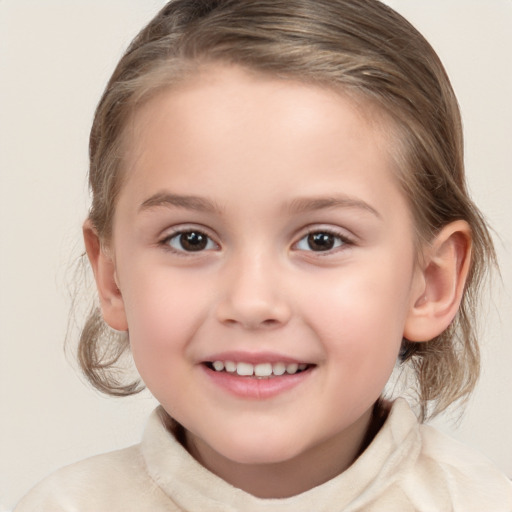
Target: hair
x,y
359,47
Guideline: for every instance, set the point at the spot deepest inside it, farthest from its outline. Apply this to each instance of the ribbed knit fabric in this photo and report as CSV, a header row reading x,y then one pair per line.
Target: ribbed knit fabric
x,y
407,467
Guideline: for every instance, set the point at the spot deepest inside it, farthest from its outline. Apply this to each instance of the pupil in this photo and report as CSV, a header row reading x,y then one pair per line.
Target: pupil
x,y
320,241
193,241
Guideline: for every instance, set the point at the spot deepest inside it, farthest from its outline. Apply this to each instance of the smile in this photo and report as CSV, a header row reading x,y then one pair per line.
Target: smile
x,y
260,370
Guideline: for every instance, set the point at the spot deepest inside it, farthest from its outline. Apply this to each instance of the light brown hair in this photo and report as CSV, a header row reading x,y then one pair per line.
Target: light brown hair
x,y
360,47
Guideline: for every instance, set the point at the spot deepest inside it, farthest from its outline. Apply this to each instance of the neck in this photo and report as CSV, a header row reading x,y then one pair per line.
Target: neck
x,y
287,478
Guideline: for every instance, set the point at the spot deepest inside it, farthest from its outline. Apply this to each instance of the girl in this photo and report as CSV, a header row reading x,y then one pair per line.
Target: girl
x,y
279,214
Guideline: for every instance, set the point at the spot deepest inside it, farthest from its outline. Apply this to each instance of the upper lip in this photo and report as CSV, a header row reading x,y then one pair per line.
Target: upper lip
x,y
253,357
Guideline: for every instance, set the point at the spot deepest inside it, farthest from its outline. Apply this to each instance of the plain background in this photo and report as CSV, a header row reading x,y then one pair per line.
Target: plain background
x,y
55,58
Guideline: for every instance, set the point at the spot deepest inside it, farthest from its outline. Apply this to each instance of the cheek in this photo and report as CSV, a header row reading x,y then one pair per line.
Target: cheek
x,y
163,311
360,318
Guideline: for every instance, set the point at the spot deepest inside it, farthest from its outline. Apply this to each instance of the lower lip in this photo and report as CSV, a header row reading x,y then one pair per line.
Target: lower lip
x,y
256,388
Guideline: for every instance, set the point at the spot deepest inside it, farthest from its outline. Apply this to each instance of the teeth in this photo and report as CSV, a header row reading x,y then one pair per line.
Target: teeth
x,y
258,370
279,368
218,365
263,370
230,366
245,369
292,368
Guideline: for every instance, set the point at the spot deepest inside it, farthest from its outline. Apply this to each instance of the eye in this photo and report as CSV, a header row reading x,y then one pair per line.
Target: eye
x,y
190,241
321,241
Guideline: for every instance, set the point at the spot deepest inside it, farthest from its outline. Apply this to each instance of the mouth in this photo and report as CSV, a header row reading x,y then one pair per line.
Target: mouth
x,y
264,370
260,376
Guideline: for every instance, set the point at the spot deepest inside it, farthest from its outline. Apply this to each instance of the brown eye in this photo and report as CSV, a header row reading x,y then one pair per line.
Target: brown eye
x,y
320,241
190,241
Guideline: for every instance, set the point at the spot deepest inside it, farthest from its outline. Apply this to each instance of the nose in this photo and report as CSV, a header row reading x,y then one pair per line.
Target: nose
x,y
252,294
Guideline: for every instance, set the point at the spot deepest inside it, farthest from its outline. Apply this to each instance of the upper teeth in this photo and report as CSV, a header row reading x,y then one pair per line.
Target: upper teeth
x,y
259,370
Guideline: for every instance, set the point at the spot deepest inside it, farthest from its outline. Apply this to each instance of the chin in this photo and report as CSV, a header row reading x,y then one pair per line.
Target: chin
x,y
257,451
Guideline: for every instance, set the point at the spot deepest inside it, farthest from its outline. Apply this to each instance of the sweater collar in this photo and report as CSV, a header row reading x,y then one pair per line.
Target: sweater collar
x,y
193,488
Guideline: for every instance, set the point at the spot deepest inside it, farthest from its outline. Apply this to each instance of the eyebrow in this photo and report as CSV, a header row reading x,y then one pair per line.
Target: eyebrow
x,y
166,199
299,205
308,204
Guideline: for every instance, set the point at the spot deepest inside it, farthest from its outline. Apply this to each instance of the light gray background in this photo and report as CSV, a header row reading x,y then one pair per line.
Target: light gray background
x,y
55,58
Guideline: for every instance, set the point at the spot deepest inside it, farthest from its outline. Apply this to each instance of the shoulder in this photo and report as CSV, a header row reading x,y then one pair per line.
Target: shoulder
x,y
112,482
450,473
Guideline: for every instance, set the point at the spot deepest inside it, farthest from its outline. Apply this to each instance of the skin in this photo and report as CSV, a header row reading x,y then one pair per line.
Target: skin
x,y
268,162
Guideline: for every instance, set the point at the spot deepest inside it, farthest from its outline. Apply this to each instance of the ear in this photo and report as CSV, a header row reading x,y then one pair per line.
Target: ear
x,y
444,271
103,266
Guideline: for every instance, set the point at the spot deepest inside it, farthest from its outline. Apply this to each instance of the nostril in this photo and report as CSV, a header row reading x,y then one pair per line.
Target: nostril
x,y
253,314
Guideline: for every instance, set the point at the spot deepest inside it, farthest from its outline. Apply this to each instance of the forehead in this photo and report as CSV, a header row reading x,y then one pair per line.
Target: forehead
x,y
217,81
226,118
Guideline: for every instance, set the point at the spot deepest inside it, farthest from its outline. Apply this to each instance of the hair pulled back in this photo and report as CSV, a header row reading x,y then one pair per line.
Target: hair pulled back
x,y
361,47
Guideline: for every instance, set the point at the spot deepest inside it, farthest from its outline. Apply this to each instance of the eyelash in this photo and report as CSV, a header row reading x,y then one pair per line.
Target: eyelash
x,y
166,242
339,241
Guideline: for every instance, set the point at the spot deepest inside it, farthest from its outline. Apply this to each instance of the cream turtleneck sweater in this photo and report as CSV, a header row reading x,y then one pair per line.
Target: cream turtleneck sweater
x,y
407,467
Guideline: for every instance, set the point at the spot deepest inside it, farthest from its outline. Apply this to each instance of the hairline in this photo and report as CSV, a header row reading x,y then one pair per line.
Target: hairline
x,y
177,72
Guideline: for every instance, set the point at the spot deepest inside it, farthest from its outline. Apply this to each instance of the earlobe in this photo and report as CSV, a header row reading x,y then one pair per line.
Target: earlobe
x,y
103,267
444,272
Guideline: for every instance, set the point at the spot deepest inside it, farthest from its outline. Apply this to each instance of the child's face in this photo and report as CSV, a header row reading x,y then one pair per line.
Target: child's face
x,y
260,223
